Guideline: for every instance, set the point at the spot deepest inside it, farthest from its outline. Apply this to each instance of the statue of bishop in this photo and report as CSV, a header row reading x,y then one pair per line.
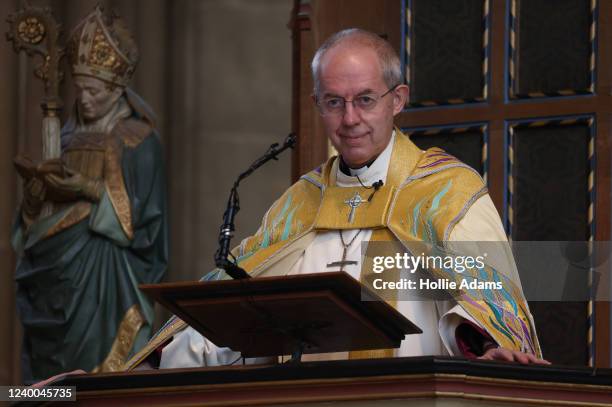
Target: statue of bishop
x,y
80,263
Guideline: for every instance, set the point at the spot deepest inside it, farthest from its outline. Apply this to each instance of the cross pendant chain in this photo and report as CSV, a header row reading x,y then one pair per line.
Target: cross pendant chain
x,y
354,203
344,261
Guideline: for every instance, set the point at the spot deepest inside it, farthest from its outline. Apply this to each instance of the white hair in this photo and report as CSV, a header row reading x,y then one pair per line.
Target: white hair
x,y
389,61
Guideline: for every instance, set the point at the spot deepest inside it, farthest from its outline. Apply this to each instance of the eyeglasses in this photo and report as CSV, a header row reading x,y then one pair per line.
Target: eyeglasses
x,y
364,103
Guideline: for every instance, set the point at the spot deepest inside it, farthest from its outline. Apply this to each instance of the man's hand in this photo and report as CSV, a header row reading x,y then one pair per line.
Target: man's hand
x,y
507,355
75,186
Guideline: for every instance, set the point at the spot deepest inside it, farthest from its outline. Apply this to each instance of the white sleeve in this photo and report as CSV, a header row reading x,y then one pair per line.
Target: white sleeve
x,y
190,349
481,223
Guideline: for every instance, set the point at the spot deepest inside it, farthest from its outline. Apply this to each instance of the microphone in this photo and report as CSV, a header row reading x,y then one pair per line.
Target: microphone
x,y
226,231
376,187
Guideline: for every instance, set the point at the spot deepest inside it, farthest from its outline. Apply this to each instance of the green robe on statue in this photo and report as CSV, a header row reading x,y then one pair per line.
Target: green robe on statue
x,y
79,268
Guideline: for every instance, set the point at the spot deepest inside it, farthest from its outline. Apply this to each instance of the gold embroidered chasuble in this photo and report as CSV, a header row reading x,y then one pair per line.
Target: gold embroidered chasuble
x,y
425,195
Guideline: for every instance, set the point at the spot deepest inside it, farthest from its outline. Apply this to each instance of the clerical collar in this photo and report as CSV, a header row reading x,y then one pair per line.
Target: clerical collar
x,y
353,171
368,174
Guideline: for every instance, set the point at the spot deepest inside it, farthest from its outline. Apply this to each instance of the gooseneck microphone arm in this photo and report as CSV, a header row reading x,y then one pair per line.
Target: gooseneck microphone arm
x,y
226,231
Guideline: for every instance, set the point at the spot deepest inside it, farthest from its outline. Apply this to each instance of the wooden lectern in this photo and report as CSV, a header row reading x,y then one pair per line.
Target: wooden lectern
x,y
288,315
323,313
426,381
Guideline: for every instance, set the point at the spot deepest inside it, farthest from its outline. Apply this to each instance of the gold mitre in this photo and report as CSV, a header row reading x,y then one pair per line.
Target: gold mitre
x,y
102,47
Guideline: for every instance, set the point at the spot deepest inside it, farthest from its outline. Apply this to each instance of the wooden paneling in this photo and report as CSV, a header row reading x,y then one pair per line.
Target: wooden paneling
x,y
551,47
446,51
466,143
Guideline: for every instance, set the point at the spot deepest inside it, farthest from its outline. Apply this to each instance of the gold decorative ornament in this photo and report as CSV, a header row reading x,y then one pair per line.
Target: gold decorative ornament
x,y
124,341
35,31
101,46
31,30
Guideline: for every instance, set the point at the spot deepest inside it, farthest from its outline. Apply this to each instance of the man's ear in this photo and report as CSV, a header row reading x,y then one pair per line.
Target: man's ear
x,y
400,97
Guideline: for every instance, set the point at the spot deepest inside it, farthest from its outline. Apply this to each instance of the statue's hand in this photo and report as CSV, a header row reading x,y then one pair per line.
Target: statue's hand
x,y
75,186
53,166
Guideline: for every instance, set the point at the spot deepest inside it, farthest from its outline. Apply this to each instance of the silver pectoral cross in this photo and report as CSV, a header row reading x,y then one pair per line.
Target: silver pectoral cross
x,y
354,202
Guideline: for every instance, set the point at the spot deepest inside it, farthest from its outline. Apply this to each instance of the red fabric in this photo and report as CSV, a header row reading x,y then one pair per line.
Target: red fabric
x,y
161,347
155,357
472,340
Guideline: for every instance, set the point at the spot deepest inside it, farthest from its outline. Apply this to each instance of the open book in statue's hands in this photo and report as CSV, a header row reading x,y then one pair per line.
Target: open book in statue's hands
x,y
28,169
36,178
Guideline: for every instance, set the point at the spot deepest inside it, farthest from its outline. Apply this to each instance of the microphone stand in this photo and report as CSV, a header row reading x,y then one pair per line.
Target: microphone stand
x,y
226,231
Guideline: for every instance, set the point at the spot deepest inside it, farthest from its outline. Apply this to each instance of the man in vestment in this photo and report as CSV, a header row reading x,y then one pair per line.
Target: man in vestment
x,y
81,262
399,194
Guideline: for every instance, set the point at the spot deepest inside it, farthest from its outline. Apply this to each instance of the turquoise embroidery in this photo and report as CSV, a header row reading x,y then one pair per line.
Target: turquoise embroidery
x,y
501,329
245,256
433,211
500,304
415,219
429,233
283,211
265,241
270,234
287,228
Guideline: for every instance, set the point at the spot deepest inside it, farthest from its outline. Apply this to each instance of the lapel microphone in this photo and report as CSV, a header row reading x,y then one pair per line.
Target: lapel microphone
x,y
376,187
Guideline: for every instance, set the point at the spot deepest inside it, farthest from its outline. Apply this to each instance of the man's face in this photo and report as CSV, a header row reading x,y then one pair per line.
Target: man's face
x,y
94,97
350,71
